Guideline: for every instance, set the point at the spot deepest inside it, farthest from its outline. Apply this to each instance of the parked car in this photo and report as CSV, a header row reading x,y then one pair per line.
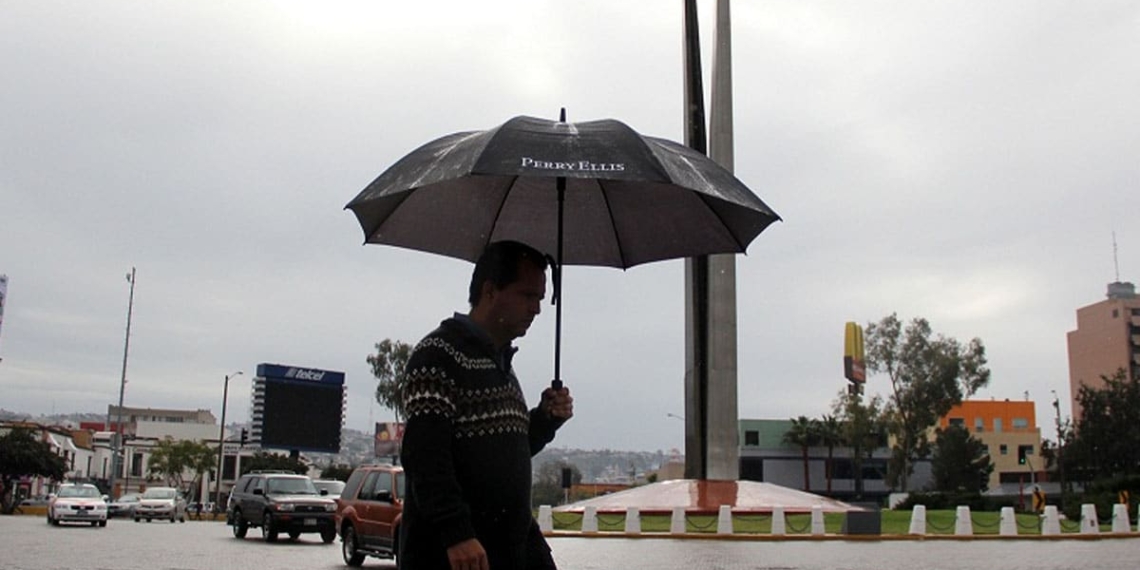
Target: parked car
x,y
329,487
124,506
280,502
161,503
37,501
78,502
369,512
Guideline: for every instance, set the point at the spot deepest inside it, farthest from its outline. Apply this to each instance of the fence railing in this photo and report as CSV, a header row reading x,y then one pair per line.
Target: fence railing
x,y
960,523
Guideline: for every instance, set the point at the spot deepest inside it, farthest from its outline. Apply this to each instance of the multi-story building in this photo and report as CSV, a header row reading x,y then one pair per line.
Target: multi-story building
x,y
142,428
1107,339
765,457
1009,431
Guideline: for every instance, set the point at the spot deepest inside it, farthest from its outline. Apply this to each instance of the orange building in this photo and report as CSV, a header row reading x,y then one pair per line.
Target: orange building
x,y
1009,431
1107,339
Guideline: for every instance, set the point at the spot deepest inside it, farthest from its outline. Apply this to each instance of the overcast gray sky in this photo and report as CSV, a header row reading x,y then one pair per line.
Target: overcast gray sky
x,y
963,161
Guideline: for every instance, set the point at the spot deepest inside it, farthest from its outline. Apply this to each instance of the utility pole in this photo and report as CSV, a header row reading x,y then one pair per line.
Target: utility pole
x,y
222,444
117,436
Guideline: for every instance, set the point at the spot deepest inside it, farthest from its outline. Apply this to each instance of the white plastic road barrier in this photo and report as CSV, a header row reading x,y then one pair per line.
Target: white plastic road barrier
x,y
632,520
1052,521
724,520
1008,525
779,524
1120,522
918,520
963,526
545,518
817,520
1089,524
677,525
590,519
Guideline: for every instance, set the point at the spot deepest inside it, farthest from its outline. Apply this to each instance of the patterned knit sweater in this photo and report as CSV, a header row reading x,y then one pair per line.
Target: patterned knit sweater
x,y
466,449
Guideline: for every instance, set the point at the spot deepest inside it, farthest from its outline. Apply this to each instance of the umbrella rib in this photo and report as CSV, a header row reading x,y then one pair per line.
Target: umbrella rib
x,y
613,223
510,184
723,223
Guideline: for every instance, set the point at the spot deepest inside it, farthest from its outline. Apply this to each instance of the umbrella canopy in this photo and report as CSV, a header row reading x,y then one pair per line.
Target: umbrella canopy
x,y
629,198
596,193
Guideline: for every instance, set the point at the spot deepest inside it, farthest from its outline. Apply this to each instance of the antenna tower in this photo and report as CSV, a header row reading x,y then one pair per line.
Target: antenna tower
x,y
1115,260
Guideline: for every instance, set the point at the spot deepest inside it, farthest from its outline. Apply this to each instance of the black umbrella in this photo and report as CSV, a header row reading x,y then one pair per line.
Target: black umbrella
x,y
596,192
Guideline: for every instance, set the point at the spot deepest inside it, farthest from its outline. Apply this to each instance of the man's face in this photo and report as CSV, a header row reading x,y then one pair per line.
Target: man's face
x,y
515,306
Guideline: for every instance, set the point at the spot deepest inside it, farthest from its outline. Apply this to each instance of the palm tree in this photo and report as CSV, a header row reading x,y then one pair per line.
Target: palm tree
x,y
803,433
831,435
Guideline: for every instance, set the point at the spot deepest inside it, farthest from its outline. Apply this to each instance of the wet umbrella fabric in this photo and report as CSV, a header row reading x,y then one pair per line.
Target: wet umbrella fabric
x,y
596,193
629,199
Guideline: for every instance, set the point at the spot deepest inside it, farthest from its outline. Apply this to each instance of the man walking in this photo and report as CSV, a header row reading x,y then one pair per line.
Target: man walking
x,y
469,436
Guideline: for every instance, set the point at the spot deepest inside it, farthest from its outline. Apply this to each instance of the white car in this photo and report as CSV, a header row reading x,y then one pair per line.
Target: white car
x,y
78,502
161,503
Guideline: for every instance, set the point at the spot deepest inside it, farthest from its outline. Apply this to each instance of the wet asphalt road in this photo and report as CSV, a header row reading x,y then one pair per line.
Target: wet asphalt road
x,y
29,543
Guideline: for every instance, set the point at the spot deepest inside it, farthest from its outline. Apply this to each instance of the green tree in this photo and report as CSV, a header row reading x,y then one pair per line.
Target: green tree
x,y
929,374
22,454
804,433
388,365
864,429
1106,441
264,461
171,460
830,434
546,489
960,462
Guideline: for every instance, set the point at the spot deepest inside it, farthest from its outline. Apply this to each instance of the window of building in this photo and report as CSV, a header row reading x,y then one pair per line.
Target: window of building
x,y
136,465
1004,449
979,425
752,437
959,422
997,425
1020,423
1115,313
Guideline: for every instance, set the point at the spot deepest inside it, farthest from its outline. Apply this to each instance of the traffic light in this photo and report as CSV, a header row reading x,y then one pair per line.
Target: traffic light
x,y
1021,454
244,436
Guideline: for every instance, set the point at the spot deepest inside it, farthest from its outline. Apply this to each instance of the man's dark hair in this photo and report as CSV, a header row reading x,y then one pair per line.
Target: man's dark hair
x,y
499,264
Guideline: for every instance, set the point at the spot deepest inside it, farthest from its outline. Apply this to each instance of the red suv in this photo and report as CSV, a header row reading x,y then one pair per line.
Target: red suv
x,y
368,513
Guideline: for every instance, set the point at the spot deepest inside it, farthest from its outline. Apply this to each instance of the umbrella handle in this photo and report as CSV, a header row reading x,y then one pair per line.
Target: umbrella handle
x,y
556,277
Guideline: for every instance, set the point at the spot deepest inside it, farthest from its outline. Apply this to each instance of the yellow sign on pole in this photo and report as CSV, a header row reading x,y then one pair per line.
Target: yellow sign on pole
x,y
854,356
1038,501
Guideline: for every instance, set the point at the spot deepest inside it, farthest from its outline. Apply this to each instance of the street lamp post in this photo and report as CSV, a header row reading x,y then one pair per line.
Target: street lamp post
x,y
222,443
1060,444
117,434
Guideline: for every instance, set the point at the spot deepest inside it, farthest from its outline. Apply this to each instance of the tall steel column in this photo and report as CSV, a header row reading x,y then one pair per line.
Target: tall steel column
x,y
696,269
711,435
724,439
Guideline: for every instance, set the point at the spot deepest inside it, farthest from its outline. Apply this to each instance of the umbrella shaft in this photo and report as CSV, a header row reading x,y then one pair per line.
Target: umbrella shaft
x,y
556,274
